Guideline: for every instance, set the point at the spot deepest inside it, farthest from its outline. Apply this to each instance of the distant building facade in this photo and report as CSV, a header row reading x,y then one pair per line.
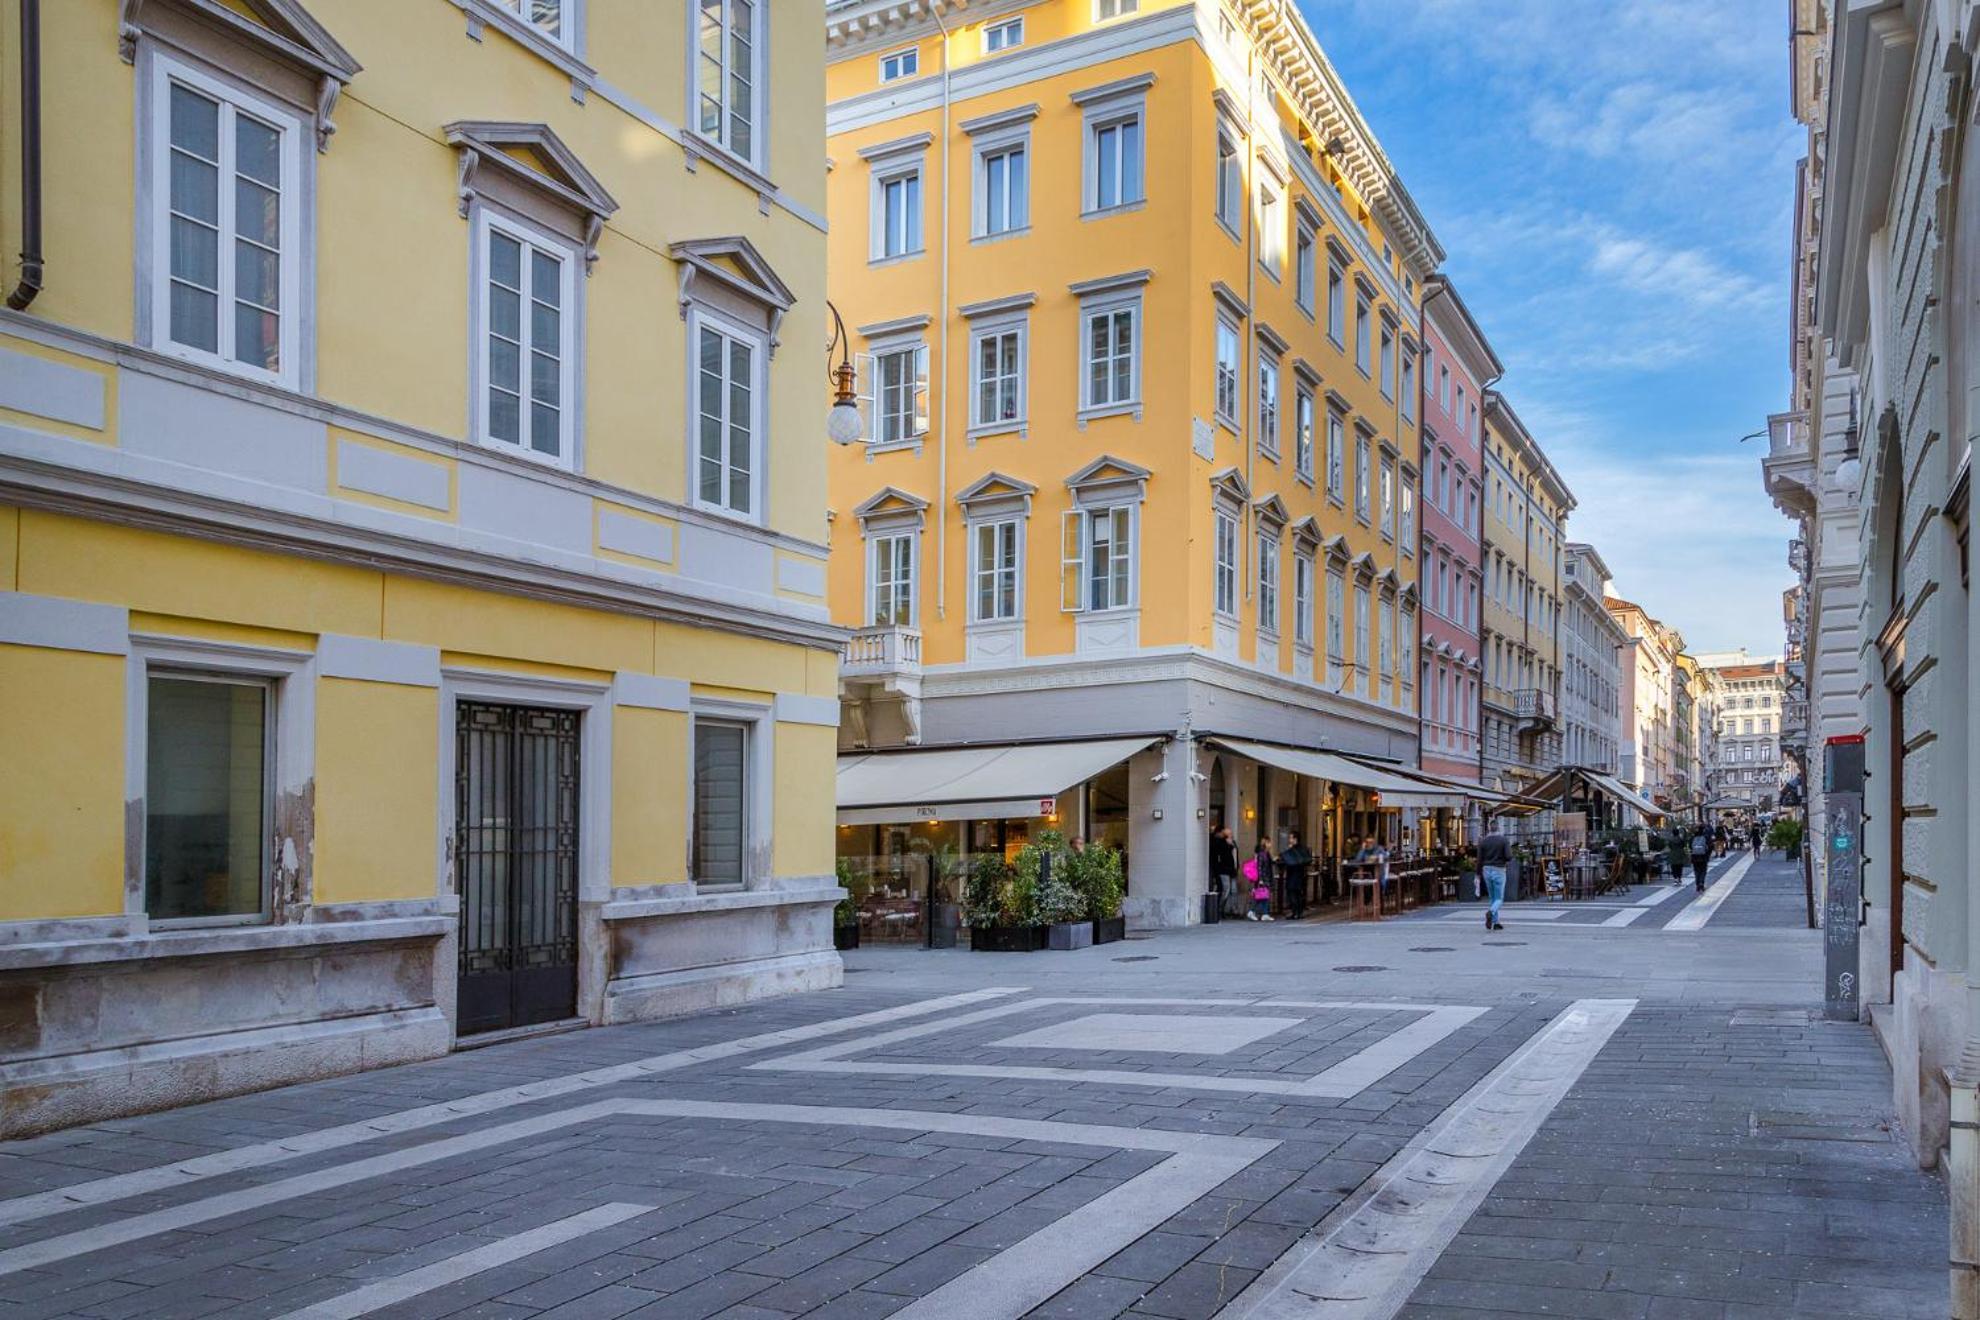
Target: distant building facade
x,y
1593,644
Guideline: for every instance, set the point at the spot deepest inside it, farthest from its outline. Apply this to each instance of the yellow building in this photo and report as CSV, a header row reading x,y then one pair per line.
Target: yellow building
x,y
411,535
1526,510
1134,297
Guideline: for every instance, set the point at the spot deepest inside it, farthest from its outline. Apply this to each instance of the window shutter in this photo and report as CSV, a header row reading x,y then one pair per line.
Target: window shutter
x,y
864,378
921,390
1072,561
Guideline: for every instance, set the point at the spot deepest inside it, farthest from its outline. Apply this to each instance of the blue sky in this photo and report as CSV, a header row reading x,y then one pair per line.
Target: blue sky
x,y
1613,182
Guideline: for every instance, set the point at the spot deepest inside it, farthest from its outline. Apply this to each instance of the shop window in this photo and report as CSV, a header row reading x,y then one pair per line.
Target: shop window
x,y
208,765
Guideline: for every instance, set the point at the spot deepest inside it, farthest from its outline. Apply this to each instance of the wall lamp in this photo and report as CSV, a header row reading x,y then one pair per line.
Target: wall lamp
x,y
842,424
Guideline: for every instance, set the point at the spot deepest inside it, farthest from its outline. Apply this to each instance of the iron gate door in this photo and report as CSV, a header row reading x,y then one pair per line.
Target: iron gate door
x,y
516,852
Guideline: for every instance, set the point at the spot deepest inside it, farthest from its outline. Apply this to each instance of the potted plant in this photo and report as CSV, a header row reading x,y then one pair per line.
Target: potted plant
x,y
845,914
944,911
1785,834
999,907
1097,873
1061,907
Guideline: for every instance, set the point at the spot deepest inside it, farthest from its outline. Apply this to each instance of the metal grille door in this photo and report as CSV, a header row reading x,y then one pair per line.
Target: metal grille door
x,y
516,852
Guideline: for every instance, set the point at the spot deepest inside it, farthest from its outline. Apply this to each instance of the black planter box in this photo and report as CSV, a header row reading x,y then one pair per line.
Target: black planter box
x,y
1108,930
845,937
1006,939
1069,935
1213,909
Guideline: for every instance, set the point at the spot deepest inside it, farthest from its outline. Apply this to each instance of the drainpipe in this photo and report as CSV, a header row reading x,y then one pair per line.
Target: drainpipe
x,y
1422,477
31,260
942,305
1248,352
1484,560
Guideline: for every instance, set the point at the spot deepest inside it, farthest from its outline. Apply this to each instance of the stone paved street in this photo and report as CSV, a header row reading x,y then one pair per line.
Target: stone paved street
x,y
1578,1117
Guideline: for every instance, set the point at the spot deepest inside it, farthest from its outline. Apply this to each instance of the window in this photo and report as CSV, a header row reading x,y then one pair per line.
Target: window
x,y
1003,189
1227,390
1388,644
1303,270
1003,36
1268,405
1106,9
994,569
1362,673
997,376
1303,434
726,82
1388,360
226,270
528,345
1303,600
1444,388
1098,568
897,213
1271,229
1408,385
900,64
1361,336
1361,477
1230,180
1336,456
1336,627
721,801
1110,373
1336,305
1268,583
1388,498
890,581
900,395
1113,154
1406,499
1226,582
726,383
208,773
550,17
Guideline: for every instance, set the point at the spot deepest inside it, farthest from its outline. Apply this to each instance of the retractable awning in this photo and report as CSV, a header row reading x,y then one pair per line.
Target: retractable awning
x,y
1396,790
1549,789
1498,803
971,783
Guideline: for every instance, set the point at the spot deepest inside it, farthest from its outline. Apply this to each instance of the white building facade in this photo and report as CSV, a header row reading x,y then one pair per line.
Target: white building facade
x,y
1592,645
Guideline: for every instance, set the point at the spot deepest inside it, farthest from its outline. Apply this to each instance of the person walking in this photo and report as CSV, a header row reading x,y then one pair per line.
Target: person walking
x,y
1223,863
1494,856
1701,857
1294,864
1258,874
1676,850
1755,835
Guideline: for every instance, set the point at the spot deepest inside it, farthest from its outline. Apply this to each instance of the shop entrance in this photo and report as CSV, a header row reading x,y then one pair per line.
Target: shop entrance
x,y
516,853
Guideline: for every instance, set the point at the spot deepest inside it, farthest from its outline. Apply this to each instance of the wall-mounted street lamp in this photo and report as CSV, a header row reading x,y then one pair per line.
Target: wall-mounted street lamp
x,y
842,424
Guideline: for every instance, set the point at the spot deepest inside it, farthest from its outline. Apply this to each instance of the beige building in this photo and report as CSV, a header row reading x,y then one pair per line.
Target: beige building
x,y
1649,701
1748,765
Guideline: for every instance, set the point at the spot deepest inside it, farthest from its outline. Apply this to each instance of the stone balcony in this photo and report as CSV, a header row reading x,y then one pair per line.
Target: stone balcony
x,y
1534,708
1789,467
880,688
882,653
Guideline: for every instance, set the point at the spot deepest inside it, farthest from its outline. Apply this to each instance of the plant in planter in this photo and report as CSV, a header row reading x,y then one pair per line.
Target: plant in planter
x,y
845,914
1061,907
1785,834
950,876
1096,872
999,907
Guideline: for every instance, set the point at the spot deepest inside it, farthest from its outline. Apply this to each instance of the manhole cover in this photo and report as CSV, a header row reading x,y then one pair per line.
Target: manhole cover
x,y
1432,948
1505,944
1139,957
1359,967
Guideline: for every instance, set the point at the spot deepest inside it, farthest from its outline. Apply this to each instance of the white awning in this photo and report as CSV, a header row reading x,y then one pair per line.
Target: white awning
x,y
1626,795
1396,790
971,783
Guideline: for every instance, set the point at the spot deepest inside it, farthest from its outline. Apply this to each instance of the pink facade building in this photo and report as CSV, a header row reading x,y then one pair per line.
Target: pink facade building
x,y
1458,366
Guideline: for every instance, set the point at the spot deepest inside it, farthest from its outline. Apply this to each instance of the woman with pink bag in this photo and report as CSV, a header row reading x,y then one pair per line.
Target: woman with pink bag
x,y
1258,875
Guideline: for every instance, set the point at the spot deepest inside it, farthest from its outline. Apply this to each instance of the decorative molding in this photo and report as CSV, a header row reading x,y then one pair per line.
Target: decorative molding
x,y
1133,85
1000,119
1230,300
758,283
650,691
900,146
796,708
900,325
372,660
1109,284
58,624
1016,302
577,188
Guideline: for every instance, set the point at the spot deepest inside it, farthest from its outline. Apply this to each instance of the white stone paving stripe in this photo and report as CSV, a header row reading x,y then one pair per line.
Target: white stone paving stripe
x,y
117,1187
1706,906
403,1287
1663,892
1342,1081
1624,917
1369,1257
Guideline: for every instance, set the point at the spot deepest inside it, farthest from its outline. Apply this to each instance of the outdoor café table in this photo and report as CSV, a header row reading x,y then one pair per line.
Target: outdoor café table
x,y
1364,883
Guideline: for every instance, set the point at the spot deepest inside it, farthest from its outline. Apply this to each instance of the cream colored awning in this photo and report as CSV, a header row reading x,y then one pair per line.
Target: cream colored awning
x,y
971,783
1549,790
1396,790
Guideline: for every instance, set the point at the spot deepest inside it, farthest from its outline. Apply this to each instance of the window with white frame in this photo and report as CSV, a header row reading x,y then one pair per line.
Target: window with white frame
x,y
1336,455
1361,333
897,207
1337,304
1268,404
728,381
997,374
1225,582
1304,249
1362,672
1302,599
1230,180
225,269
1003,186
1408,385
1361,478
1336,626
528,348
209,743
1271,227
1003,35
1406,504
728,86
722,771
1443,388
1268,582
900,64
1110,353
1303,434
1115,133
897,397
890,594
1388,639
555,19
1388,498
1228,391
1106,9
1388,360
1097,570
995,550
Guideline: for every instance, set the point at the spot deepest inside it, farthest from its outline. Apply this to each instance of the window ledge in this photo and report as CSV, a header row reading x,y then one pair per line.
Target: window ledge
x,y
485,13
1125,208
1020,429
728,898
1304,478
896,259
699,148
1271,454
1131,407
197,941
1228,423
1229,232
978,240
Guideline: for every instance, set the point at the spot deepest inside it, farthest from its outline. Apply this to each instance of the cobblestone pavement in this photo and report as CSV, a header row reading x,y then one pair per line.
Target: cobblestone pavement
x,y
1410,1117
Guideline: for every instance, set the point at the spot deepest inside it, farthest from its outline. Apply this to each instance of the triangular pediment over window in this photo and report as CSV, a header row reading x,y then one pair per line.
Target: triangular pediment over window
x,y
994,486
730,269
1108,471
1271,513
533,158
282,30
890,502
1228,484
1306,532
